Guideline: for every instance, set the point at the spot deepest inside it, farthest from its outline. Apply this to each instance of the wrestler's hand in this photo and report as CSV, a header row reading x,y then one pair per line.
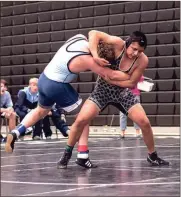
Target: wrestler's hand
x,y
110,81
107,79
101,61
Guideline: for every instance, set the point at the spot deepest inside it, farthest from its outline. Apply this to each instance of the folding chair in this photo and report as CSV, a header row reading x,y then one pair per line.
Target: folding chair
x,y
4,120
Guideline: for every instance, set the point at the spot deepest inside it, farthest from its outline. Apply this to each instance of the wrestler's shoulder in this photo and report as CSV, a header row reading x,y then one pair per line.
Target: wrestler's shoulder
x,y
119,42
118,39
144,58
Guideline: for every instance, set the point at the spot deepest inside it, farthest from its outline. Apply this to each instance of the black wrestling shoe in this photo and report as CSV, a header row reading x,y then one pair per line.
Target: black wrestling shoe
x,y
9,146
86,163
64,134
62,163
154,160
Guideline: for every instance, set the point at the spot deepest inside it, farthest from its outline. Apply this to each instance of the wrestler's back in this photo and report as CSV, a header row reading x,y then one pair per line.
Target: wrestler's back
x,y
69,59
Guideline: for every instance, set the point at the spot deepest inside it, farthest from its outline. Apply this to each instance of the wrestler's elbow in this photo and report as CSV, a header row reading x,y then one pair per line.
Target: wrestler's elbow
x,y
132,84
92,33
102,72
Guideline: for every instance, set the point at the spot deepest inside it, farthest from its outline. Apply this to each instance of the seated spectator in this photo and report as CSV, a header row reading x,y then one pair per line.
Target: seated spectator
x,y
7,110
28,100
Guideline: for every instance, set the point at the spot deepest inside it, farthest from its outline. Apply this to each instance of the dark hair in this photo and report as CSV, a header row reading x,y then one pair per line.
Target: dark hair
x,y
4,82
137,36
106,51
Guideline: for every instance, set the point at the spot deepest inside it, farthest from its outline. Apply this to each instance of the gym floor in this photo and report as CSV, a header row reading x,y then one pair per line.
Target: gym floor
x,y
122,169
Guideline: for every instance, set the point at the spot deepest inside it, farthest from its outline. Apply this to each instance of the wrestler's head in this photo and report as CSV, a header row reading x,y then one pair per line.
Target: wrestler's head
x,y
33,85
136,43
3,86
106,51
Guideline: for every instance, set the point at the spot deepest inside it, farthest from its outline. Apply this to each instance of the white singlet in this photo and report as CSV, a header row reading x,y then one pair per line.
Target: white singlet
x,y
58,68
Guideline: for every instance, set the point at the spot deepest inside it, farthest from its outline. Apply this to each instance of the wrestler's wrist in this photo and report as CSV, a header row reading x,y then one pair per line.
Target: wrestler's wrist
x,y
95,56
94,53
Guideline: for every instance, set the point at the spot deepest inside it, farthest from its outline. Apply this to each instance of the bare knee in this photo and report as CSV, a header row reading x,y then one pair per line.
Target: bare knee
x,y
41,112
144,122
13,115
81,122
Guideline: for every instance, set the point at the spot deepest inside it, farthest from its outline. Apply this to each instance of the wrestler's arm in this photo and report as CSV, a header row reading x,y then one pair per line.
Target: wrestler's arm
x,y
111,74
104,72
95,37
117,75
134,78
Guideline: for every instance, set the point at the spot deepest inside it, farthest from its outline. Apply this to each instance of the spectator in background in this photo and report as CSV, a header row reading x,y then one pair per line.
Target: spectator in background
x,y
123,117
7,110
28,100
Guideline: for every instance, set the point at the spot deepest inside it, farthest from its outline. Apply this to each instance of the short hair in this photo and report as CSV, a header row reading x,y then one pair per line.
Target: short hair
x,y
106,51
33,80
137,36
4,82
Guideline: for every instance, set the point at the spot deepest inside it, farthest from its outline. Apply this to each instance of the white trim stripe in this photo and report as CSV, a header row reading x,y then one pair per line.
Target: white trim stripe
x,y
73,107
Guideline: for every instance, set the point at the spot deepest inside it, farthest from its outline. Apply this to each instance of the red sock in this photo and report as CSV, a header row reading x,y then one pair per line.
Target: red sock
x,y
82,148
83,152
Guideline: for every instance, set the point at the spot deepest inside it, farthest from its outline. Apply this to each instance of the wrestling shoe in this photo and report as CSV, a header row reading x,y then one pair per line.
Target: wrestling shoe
x,y
86,163
9,146
154,160
29,131
63,162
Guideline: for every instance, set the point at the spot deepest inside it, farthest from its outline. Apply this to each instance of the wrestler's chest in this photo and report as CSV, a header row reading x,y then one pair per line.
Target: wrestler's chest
x,y
126,64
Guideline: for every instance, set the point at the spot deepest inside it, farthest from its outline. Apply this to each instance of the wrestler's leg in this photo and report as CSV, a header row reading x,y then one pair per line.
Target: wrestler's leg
x,y
29,120
137,114
82,148
83,151
88,111
45,100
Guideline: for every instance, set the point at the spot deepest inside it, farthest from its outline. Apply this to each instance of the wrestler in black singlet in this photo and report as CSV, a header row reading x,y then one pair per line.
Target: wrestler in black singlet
x,y
107,94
